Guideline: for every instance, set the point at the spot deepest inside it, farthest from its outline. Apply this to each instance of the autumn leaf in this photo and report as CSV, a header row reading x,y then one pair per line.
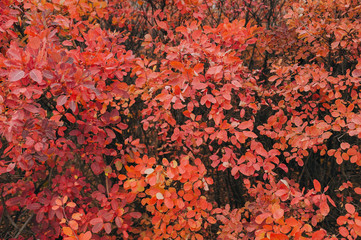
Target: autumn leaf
x,y
16,75
317,185
36,75
350,208
67,231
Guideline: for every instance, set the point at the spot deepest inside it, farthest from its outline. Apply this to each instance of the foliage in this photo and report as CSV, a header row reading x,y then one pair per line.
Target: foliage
x,y
180,119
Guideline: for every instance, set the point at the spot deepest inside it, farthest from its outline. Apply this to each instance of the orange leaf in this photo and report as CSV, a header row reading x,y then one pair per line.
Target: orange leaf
x,y
58,202
357,229
357,190
317,185
188,197
67,231
199,237
168,203
177,65
292,222
85,236
320,234
73,224
76,216
71,204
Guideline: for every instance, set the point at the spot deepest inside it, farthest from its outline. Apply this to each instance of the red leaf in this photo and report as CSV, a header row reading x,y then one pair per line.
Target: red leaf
x,y
245,125
341,220
36,75
118,222
250,134
135,214
199,85
140,81
163,25
70,117
350,208
33,206
96,168
97,227
16,75
343,231
107,228
39,216
324,208
96,221
14,201
214,70
317,185
208,98
345,145
31,108
211,220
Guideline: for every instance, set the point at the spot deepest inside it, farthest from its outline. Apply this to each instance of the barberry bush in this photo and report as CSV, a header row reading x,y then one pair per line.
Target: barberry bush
x,y
180,119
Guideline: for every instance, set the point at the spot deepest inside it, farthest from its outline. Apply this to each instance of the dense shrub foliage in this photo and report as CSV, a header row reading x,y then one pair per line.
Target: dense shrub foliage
x,y
180,119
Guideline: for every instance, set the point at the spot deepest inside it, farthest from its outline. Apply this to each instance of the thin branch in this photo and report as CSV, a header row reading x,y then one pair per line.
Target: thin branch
x,y
24,225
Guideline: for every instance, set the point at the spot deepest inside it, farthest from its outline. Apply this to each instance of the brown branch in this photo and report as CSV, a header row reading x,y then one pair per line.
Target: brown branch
x,y
24,225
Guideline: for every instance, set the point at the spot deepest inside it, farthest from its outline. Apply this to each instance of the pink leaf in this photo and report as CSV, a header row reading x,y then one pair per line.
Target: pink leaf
x,y
260,218
61,100
107,228
214,70
16,75
96,221
33,206
36,75
97,227
278,213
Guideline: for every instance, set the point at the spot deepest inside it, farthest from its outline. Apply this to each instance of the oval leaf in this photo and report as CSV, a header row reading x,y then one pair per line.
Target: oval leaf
x,y
350,208
16,75
36,75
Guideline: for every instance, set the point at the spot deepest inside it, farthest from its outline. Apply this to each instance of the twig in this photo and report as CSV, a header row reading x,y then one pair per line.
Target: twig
x,y
24,225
